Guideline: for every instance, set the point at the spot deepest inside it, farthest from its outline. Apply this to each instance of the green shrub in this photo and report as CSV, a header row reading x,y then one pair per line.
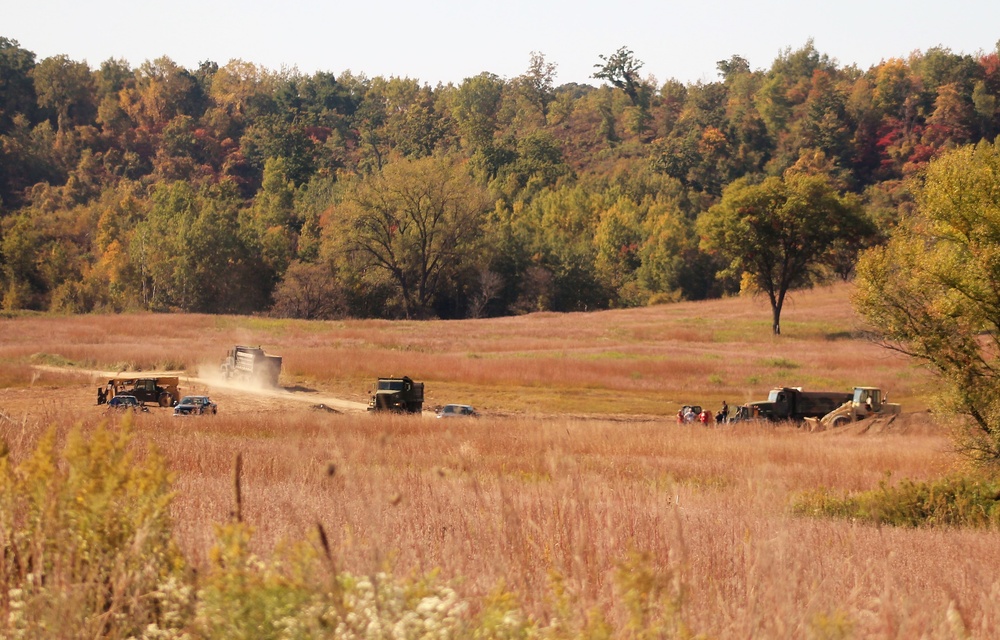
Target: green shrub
x,y
86,537
296,594
52,360
654,600
781,363
952,501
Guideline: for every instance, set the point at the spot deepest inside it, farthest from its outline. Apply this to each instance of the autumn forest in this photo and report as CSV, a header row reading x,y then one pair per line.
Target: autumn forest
x,y
238,189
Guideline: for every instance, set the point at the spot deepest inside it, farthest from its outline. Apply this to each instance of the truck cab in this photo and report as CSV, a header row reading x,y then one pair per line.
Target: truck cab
x,y
397,394
867,400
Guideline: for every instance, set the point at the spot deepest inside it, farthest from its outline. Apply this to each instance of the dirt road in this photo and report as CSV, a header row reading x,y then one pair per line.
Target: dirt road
x,y
231,397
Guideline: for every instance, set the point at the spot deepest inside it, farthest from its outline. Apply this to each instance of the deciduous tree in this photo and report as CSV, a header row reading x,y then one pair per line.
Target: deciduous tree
x,y
475,107
778,231
417,221
309,291
67,87
933,292
17,91
621,69
537,83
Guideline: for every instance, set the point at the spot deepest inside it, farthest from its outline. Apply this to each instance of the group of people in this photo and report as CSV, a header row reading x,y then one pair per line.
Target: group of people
x,y
687,414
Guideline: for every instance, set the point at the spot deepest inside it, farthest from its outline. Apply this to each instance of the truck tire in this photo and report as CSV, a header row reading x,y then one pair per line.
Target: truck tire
x,y
841,421
165,399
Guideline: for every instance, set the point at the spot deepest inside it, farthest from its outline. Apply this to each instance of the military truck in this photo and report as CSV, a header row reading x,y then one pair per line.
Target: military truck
x,y
792,403
397,394
866,402
251,364
162,391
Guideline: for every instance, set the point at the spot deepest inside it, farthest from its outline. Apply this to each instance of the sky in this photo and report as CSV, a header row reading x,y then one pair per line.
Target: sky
x,y
446,41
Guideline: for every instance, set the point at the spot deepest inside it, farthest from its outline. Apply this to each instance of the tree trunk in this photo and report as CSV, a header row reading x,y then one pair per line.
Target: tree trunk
x,y
776,314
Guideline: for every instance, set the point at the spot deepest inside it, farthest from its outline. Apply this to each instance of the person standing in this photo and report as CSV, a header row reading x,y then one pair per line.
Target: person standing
x,y
723,413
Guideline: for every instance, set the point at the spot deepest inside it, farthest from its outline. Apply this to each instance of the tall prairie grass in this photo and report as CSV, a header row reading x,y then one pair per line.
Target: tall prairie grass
x,y
576,507
637,361
523,504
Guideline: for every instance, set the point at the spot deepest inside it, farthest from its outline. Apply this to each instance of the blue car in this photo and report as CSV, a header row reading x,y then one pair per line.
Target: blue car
x,y
125,403
195,406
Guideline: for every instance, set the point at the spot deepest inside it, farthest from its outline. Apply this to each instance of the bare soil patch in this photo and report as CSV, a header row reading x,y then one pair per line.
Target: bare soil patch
x,y
922,423
79,389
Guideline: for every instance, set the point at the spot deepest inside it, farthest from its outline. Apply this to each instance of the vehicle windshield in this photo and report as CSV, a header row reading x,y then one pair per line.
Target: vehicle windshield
x,y
189,400
773,396
864,395
390,385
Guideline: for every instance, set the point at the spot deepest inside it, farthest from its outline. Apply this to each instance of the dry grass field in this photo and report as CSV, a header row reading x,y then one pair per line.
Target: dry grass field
x,y
576,492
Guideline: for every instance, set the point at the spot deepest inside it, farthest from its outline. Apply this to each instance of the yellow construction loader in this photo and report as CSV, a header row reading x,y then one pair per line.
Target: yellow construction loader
x,y
867,402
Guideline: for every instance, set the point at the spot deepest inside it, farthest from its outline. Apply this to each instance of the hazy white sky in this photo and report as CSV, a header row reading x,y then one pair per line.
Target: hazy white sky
x,y
448,40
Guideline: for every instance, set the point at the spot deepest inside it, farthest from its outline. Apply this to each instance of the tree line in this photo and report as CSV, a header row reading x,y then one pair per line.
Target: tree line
x,y
238,189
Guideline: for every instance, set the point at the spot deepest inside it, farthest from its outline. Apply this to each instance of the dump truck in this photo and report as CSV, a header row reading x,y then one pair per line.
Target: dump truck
x,y
158,390
397,394
866,402
792,403
251,364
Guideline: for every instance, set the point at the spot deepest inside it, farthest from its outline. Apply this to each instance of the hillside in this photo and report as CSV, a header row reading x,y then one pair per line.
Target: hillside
x,y
235,189
646,361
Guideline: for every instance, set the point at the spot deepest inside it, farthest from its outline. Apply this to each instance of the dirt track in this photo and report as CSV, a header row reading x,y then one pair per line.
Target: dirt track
x,y
242,399
914,423
231,398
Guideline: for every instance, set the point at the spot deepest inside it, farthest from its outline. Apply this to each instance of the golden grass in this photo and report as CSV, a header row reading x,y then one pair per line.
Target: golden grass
x,y
576,463
517,500
647,361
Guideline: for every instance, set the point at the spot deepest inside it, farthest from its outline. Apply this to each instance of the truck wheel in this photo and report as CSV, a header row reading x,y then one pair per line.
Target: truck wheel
x,y
841,421
165,399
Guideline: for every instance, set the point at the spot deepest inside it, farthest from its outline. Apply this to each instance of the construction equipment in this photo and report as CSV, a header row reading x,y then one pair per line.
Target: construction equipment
x,y
792,403
866,402
162,391
397,394
251,364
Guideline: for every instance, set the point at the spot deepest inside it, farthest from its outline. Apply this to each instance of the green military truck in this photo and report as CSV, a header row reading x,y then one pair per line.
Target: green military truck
x,y
792,403
397,394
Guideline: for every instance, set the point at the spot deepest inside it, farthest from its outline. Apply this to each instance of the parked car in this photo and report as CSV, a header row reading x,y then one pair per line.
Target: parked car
x,y
195,405
125,403
457,411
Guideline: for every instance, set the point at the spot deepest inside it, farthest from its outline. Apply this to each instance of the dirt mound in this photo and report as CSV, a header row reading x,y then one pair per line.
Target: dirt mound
x,y
914,423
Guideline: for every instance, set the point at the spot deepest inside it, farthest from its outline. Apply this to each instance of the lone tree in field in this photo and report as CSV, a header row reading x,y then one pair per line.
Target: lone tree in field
x,y
933,291
779,232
